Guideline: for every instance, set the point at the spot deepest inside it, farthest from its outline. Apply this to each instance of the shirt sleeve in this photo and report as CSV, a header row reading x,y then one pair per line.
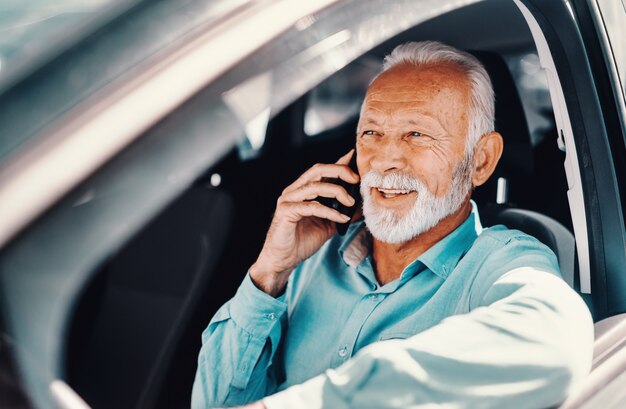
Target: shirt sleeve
x,y
527,345
238,349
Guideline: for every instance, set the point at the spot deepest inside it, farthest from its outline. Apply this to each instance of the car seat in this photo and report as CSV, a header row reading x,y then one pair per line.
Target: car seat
x,y
130,320
547,230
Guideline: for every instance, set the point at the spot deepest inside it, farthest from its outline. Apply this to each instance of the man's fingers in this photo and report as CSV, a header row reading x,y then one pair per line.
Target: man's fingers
x,y
315,189
294,212
321,171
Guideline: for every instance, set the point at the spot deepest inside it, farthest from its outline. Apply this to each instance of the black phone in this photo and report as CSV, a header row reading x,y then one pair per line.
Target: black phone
x,y
353,190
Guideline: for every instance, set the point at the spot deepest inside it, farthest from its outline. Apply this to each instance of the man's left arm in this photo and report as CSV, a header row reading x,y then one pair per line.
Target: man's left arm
x,y
527,346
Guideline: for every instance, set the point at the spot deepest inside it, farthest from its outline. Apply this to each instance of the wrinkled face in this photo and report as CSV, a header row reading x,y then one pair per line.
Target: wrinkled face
x,y
411,149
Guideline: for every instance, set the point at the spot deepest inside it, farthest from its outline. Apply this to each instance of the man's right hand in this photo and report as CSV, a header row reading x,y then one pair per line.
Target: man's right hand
x,y
301,225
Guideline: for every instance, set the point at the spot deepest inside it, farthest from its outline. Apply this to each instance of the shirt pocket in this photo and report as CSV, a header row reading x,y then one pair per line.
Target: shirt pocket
x,y
395,335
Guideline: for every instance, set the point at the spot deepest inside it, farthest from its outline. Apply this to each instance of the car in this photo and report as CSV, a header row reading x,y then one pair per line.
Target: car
x,y
143,145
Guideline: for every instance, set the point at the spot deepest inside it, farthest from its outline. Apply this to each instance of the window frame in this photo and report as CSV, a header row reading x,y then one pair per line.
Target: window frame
x,y
588,108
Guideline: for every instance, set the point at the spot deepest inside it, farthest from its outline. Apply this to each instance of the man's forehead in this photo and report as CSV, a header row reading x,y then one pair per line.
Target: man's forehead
x,y
372,111
406,77
393,94
417,96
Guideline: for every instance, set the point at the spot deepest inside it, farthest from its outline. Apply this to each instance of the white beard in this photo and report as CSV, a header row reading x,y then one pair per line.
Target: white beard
x,y
389,226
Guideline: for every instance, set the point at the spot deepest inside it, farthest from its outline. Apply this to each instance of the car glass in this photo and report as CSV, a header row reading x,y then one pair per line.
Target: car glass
x,y
338,98
614,18
532,86
78,50
332,103
28,28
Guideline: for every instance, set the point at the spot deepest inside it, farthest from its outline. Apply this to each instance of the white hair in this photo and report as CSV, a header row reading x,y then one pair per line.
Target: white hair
x,y
482,104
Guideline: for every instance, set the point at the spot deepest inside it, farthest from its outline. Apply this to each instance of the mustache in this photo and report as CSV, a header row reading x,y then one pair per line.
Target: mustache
x,y
392,181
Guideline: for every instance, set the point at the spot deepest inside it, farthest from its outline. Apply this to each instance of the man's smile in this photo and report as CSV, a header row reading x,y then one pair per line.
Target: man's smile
x,y
392,196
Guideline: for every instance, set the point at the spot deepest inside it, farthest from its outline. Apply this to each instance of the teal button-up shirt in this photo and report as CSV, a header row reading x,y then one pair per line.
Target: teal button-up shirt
x,y
518,336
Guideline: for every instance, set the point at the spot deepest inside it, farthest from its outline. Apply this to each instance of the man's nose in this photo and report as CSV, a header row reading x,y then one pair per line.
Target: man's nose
x,y
390,156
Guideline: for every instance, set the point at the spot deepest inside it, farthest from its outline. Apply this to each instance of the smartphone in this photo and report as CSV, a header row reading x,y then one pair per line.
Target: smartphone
x,y
352,189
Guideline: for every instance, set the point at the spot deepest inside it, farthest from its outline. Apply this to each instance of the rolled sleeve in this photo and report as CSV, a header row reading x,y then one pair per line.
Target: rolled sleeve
x,y
238,348
255,311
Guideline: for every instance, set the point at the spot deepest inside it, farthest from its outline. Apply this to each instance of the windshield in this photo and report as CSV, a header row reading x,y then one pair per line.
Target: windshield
x,y
55,57
31,30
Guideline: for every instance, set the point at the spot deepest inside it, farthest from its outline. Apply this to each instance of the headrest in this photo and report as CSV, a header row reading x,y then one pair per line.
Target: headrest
x,y
517,158
548,231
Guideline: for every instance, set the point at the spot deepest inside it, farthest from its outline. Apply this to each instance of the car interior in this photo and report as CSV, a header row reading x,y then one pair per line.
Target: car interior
x,y
134,336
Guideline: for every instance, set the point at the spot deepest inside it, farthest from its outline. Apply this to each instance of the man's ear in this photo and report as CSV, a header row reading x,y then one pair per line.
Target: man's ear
x,y
486,156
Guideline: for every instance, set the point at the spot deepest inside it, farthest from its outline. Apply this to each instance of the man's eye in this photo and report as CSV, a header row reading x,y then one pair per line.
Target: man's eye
x,y
369,133
415,133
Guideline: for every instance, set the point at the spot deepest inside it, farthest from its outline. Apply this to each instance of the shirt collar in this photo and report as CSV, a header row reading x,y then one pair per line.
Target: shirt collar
x,y
441,258
357,244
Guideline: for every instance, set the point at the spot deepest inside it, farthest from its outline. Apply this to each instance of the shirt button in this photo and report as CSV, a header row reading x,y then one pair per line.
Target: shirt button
x,y
270,316
343,351
374,297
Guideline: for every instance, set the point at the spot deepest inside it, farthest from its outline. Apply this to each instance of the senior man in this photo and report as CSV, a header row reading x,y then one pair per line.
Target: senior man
x,y
466,317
